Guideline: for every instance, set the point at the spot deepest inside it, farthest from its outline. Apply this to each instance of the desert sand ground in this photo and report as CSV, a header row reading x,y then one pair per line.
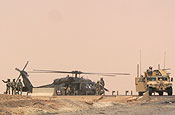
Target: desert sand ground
x,y
87,105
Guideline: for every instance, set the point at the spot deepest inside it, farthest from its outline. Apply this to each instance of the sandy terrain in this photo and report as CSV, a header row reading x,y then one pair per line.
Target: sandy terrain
x,y
86,105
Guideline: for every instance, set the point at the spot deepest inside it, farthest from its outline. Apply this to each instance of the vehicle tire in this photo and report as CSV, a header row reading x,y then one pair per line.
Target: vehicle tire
x,y
170,91
160,93
150,90
140,93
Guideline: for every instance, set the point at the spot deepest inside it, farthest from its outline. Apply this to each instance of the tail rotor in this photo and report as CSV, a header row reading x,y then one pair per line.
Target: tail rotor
x,y
21,70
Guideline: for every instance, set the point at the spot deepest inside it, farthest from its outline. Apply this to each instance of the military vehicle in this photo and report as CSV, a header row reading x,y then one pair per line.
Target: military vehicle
x,y
69,85
154,81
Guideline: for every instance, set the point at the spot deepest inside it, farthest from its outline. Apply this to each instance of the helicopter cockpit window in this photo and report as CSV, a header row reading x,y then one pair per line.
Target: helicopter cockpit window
x,y
163,78
151,78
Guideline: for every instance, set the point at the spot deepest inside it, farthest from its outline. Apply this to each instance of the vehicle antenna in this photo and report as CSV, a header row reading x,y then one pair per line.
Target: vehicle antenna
x,y
140,62
137,70
164,59
158,66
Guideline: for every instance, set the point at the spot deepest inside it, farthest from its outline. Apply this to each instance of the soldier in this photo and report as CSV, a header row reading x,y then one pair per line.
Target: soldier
x,y
68,90
13,86
149,71
19,86
75,90
8,85
97,86
102,84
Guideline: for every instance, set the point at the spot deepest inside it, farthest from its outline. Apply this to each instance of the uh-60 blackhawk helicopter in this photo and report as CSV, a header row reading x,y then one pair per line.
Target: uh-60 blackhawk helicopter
x,y
69,85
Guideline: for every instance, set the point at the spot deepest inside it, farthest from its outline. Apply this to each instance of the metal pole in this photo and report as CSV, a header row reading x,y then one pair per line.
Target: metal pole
x,y
113,92
140,62
137,70
126,93
117,93
164,59
158,66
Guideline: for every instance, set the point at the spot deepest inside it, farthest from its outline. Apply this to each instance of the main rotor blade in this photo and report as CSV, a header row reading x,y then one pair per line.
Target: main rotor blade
x,y
46,72
107,73
49,71
18,69
25,66
78,72
119,73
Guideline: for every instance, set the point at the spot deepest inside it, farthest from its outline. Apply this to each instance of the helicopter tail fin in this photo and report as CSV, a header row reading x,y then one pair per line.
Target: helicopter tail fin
x,y
27,84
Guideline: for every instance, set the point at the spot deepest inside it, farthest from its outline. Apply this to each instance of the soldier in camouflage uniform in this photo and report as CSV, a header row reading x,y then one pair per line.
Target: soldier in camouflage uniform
x,y
97,86
19,86
8,85
68,90
13,86
149,71
102,84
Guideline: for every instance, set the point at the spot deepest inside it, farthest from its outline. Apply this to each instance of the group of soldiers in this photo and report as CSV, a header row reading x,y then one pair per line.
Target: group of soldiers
x,y
15,87
100,87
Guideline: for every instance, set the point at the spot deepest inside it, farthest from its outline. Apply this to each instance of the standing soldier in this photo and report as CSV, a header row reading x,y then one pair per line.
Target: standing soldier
x,y
13,85
19,87
102,84
8,85
149,71
68,90
97,86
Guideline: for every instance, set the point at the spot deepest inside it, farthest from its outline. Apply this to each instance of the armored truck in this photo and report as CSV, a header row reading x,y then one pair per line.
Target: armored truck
x,y
154,81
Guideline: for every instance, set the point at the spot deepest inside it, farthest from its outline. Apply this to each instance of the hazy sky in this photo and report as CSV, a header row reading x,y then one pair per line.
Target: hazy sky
x,y
86,35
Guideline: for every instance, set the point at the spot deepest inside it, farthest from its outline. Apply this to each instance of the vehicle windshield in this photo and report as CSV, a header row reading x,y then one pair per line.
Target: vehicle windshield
x,y
163,78
151,78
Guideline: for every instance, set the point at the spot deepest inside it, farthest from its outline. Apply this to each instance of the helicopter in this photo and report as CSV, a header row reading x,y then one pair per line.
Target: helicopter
x,y
69,85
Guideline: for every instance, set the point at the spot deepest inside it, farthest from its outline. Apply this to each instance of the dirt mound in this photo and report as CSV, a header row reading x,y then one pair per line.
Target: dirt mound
x,y
4,97
23,104
18,104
